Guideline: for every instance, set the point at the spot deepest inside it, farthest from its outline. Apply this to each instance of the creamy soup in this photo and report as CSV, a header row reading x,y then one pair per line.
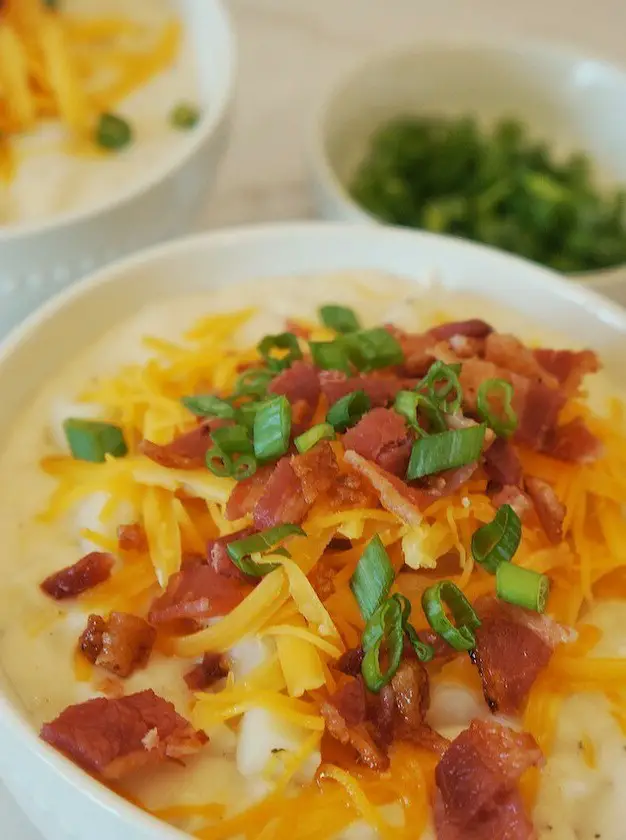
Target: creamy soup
x,y
578,795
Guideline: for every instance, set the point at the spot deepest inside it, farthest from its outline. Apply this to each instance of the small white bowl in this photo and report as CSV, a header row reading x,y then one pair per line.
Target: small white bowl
x,y
573,102
39,258
62,800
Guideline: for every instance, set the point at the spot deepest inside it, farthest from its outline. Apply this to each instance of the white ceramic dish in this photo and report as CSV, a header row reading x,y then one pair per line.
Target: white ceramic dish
x,y
62,801
566,98
39,258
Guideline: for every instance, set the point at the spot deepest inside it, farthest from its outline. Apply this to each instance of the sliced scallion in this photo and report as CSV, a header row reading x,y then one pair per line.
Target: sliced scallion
x,y
232,453
348,410
330,355
184,116
339,318
307,440
497,541
253,383
384,632
445,451
93,440
373,349
522,587
424,651
372,578
208,405
408,403
239,551
435,599
113,132
268,346
272,429
502,419
442,384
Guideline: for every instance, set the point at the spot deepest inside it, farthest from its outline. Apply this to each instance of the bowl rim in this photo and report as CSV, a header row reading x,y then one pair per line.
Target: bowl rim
x,y
322,172
602,309
208,125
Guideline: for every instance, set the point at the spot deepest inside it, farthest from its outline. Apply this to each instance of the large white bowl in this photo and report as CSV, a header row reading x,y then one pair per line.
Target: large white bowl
x,y
572,101
64,802
38,259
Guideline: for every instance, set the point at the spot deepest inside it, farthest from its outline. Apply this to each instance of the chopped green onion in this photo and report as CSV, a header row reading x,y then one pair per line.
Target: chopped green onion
x,y
435,599
53,5
208,405
348,410
505,424
239,551
253,383
281,341
248,411
523,587
272,428
92,440
231,441
113,132
425,652
372,578
383,629
372,349
184,116
497,541
445,451
441,381
407,404
339,318
330,355
308,439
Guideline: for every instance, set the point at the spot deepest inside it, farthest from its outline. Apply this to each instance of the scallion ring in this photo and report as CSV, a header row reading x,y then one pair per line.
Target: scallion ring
x,y
253,383
112,132
497,541
330,355
445,451
280,342
440,382
408,403
383,632
373,349
272,429
503,419
208,405
232,454
307,440
424,651
522,587
239,551
339,318
348,410
372,578
435,599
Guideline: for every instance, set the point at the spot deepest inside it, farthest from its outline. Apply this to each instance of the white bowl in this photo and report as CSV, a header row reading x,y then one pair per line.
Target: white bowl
x,y
37,259
574,102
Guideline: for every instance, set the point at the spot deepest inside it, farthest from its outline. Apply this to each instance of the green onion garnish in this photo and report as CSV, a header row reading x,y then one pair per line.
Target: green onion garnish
x,y
445,451
439,383
272,428
372,578
247,412
504,421
307,440
282,341
232,453
338,318
424,651
208,405
372,349
407,404
330,355
113,132
384,630
92,440
348,410
184,116
523,587
435,599
239,551
253,383
497,541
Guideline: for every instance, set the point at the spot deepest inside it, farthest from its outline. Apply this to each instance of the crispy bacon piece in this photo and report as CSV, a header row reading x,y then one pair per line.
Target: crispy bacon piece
x,y
316,470
381,436
395,496
132,537
568,367
350,490
197,593
282,499
412,698
350,662
219,559
550,510
121,644
380,389
473,328
476,781
502,463
513,645
574,442
508,352
210,670
186,452
473,373
89,571
511,494
466,347
345,716
417,349
301,385
322,579
114,737
537,408
247,493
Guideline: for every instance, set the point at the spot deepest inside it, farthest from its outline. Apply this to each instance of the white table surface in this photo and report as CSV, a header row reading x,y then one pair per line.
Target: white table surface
x,y
291,50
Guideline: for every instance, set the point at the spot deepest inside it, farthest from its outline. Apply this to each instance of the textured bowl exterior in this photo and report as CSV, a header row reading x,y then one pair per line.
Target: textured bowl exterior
x,y
38,261
64,802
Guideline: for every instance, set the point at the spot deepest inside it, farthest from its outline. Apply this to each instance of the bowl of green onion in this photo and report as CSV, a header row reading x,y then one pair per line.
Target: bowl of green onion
x,y
519,146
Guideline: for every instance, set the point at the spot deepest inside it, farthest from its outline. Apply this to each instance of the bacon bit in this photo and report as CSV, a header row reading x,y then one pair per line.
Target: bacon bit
x,y
350,662
574,442
316,470
186,452
512,495
508,820
89,571
417,349
440,646
550,510
473,374
412,699
132,537
380,389
447,482
212,669
381,436
106,735
473,328
465,347
322,579
351,491
345,716
395,496
502,463
247,493
281,500
121,644
508,352
513,645
219,558
476,778
300,384
197,593
568,367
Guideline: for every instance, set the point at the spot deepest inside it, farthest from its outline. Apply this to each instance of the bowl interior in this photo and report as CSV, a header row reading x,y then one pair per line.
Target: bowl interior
x,y
574,103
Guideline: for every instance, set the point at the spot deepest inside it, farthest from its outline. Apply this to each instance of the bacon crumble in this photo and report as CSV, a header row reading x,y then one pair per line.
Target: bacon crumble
x,y
92,569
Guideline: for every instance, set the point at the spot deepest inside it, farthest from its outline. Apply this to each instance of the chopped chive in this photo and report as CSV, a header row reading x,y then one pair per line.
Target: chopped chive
x,y
307,440
272,428
439,383
504,420
372,578
348,410
93,440
445,451
407,404
339,318
253,383
239,551
208,405
497,541
279,342
522,587
373,349
424,651
330,355
435,599
232,454
113,132
184,116
248,411
383,632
